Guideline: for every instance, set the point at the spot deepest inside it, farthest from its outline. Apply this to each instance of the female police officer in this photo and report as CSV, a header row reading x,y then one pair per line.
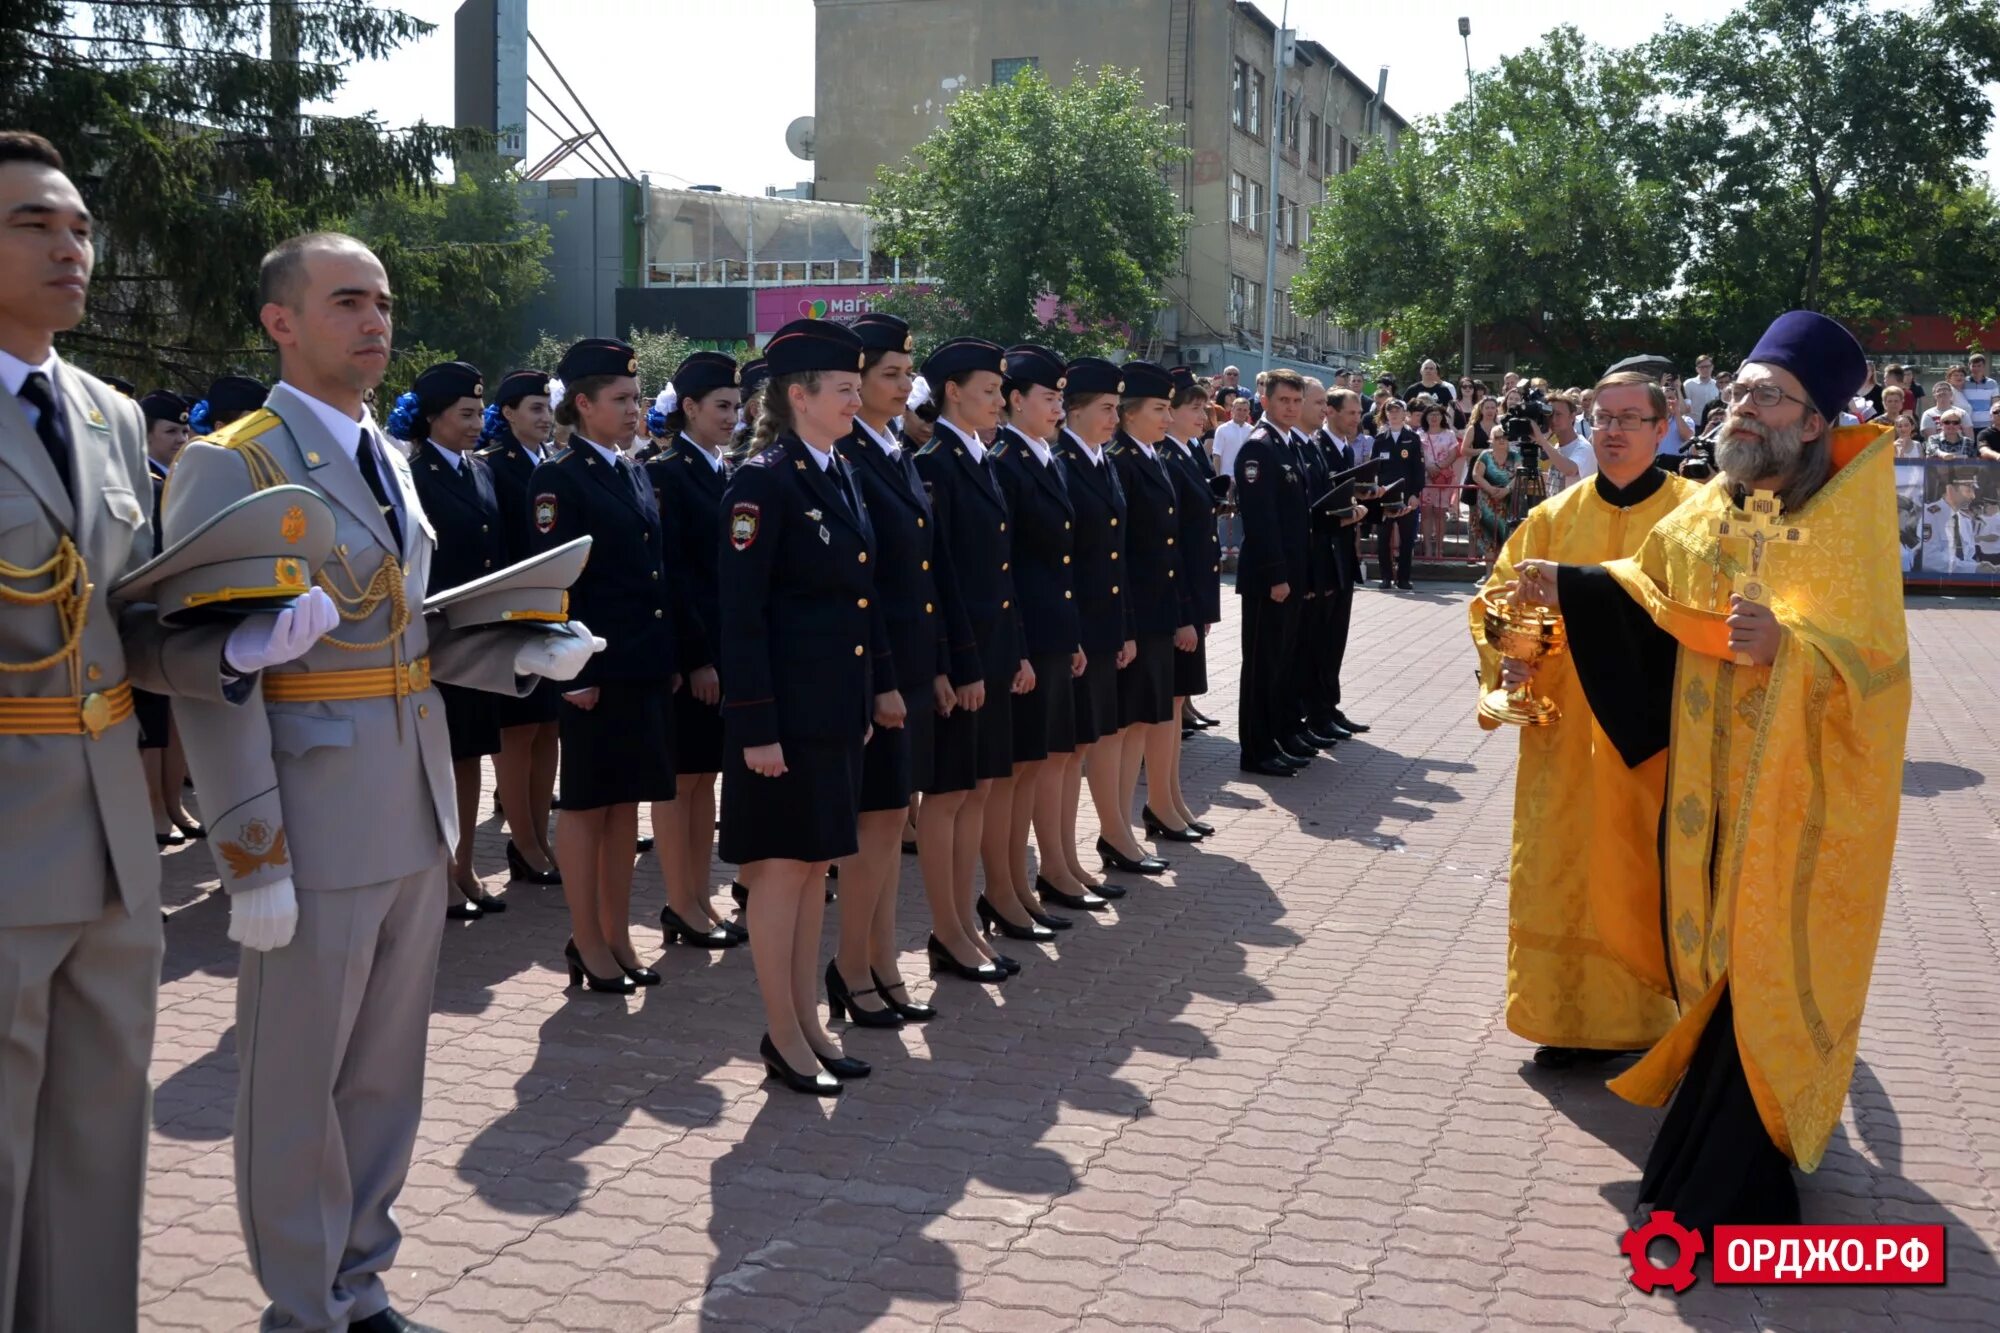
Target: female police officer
x,y
1198,498
806,671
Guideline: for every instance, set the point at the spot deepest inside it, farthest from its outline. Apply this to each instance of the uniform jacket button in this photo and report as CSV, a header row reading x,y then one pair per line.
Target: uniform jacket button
x,y
927,564
1065,560
928,608
857,650
423,710
862,603
659,615
862,558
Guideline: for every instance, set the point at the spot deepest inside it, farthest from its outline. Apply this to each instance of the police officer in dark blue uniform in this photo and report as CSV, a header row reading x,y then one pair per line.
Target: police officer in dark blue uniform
x,y
1199,497
807,671
617,716
440,419
688,476
975,745
1400,452
1323,580
517,430
1336,521
1272,576
159,748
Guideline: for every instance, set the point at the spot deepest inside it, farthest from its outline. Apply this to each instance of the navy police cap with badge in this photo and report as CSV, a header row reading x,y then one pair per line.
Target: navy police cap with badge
x,y
880,331
703,373
807,345
756,374
229,398
1146,379
962,356
596,356
1093,375
1183,380
444,384
1033,364
164,405
519,384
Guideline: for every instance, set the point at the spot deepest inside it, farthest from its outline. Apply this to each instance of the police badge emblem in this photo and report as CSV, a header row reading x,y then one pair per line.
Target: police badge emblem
x,y
545,513
743,521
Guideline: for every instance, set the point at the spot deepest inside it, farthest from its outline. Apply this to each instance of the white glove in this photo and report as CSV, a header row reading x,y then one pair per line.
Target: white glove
x,y
559,654
264,918
267,640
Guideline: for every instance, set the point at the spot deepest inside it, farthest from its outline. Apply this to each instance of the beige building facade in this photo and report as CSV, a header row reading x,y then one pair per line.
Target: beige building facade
x,y
886,70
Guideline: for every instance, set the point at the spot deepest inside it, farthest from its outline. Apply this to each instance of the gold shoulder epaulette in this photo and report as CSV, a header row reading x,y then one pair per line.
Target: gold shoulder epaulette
x,y
241,436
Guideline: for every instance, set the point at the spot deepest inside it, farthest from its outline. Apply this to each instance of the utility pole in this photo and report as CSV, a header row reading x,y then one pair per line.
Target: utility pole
x,y
285,53
1465,34
1279,48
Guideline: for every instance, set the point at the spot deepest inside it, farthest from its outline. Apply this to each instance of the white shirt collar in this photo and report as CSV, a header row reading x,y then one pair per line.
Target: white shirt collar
x,y
456,460
825,460
1095,453
1039,448
345,430
971,442
887,443
14,373
714,460
611,456
1152,454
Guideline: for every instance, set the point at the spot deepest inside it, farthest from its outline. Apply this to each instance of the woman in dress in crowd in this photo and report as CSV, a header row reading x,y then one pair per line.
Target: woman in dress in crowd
x,y
863,981
1444,471
688,477
808,669
1908,443
975,744
1198,499
516,431
616,717
439,420
1485,424
1090,410
1162,613
1043,525
1493,476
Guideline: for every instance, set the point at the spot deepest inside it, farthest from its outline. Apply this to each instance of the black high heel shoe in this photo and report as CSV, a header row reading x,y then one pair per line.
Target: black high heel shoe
x,y
842,1066
637,975
840,1001
910,1011
680,932
579,975
1205,829
174,839
1158,828
1051,920
463,908
1087,901
990,919
942,961
1116,860
817,1084
190,828
518,868
640,846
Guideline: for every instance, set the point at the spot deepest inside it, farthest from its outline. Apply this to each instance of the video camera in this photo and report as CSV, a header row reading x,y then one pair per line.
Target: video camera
x,y
1521,422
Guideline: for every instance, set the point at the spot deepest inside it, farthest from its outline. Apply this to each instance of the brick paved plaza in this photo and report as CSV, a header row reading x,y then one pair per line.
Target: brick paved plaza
x,y
1271,1090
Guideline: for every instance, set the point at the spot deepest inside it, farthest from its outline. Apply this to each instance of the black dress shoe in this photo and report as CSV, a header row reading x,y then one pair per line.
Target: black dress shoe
x,y
1268,768
641,976
191,828
644,845
579,975
1006,964
1206,830
1286,755
910,1011
489,904
942,961
1568,1057
1117,860
1322,740
1158,828
815,1083
1407,586
1303,744
1344,720
1109,890
909,846
465,909
174,839
680,932
388,1321
840,1002
1329,727
991,920
1075,902
1051,921
843,1066
518,868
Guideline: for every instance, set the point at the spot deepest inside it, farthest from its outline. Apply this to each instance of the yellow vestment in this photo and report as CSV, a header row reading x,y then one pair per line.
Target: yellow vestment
x,y
1584,962
1782,787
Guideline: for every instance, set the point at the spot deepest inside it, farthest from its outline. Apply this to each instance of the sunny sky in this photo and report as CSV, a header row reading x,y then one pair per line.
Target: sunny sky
x,y
696,92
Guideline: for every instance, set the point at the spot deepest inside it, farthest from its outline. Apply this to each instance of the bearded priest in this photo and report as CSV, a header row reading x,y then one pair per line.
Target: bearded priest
x,y
1585,979
1757,638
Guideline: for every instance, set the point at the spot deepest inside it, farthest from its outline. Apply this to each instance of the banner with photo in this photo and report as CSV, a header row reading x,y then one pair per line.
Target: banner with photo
x,y
1950,510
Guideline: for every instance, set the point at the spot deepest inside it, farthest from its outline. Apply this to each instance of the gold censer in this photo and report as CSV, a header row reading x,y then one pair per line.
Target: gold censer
x,y
1528,634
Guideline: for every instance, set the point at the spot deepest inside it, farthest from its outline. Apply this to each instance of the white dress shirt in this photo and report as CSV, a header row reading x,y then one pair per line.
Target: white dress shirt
x,y
14,374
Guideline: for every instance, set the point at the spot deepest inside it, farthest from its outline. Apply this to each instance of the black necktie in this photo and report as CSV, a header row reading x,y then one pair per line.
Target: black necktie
x,y
49,424
636,479
373,467
840,483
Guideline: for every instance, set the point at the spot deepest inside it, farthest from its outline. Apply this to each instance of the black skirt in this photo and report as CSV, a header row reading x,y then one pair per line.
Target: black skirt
x,y
993,725
1191,669
807,814
1095,696
471,721
155,718
1146,685
889,758
538,707
1045,717
622,751
954,754
697,734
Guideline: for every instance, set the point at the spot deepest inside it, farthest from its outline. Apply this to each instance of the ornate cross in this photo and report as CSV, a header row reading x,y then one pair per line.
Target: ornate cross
x,y
1761,525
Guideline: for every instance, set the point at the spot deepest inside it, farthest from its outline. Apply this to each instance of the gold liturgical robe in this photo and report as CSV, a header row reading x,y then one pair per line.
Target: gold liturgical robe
x,y
1784,783
1584,966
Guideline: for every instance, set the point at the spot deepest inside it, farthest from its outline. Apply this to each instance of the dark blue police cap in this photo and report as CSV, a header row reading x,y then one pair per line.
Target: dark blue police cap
x,y
1093,374
806,345
756,373
961,356
596,356
1032,363
234,396
164,405
520,384
441,385
880,331
1183,379
1147,379
704,372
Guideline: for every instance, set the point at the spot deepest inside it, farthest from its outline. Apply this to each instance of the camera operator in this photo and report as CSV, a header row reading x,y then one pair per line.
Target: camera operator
x,y
1569,455
1526,426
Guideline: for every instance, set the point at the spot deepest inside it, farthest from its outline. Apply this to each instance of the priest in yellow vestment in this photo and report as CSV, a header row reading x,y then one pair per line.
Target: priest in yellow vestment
x,y
1758,638
1586,978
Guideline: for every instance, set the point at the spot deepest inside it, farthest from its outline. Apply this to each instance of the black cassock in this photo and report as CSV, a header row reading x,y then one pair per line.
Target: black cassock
x,y
1713,1160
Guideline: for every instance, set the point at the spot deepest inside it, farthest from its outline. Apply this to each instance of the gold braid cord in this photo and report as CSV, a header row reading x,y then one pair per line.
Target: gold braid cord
x,y
360,601
68,592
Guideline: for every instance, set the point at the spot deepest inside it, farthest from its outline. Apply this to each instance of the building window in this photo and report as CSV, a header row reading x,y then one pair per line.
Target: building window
x,y
1345,160
1254,220
1312,139
1005,69
1238,187
1239,299
1291,123
1239,91
1253,309
1256,125
1288,222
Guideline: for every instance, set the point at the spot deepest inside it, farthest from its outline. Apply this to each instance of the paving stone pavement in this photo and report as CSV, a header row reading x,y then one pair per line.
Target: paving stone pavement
x,y
1269,1091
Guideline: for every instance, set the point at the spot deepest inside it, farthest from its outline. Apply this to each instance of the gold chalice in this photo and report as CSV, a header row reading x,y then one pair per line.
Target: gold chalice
x,y
1526,633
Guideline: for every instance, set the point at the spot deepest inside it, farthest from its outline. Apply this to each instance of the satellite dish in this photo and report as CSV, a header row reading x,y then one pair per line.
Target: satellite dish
x,y
799,138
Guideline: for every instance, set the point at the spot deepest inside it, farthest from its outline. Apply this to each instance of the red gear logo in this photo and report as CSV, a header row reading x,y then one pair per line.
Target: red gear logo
x,y
1645,1273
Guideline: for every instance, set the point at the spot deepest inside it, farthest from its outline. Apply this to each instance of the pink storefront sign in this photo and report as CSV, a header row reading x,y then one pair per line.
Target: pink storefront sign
x,y
779,306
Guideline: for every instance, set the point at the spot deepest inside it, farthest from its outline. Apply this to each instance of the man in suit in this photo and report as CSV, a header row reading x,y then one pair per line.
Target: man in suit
x,y
80,914
1337,523
1272,577
330,804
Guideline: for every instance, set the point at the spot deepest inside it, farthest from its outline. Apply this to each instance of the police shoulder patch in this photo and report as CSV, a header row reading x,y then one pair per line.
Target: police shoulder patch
x,y
744,519
1249,469
545,512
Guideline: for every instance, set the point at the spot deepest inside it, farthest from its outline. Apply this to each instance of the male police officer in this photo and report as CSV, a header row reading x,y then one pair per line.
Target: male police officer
x,y
330,805
1271,577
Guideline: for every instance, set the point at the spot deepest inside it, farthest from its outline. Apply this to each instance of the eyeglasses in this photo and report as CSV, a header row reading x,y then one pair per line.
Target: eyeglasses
x,y
1767,394
1621,421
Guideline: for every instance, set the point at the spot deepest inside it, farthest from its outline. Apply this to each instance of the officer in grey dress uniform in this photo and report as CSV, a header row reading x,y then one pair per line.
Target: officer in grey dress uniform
x,y
330,805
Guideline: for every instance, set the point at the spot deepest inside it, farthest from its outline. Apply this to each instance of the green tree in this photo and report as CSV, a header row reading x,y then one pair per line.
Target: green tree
x,y
187,140
1520,207
462,259
1026,191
